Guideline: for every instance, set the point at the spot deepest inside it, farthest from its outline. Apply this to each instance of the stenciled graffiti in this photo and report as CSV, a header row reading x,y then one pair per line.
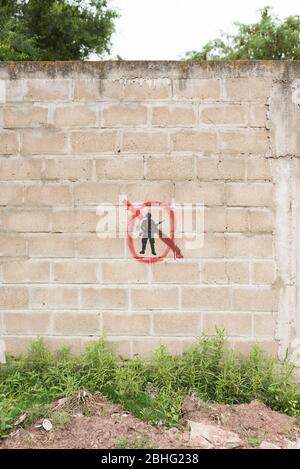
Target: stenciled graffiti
x,y
153,228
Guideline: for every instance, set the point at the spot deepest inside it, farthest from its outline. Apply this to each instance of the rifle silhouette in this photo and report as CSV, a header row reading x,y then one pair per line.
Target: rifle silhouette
x,y
169,242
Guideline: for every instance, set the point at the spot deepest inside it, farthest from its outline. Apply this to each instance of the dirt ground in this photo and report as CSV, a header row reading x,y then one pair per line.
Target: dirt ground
x,y
89,421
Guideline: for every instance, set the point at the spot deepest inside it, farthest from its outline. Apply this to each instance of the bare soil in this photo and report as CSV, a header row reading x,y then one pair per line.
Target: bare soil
x,y
91,421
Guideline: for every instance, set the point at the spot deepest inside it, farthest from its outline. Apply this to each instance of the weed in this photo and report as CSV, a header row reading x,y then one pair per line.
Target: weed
x,y
254,441
60,419
133,443
151,390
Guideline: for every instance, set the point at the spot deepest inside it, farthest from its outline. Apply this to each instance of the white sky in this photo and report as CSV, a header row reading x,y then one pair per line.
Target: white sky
x,y
166,29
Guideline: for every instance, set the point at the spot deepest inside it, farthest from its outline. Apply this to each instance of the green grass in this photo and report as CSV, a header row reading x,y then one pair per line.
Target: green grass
x,y
60,419
133,443
152,391
254,441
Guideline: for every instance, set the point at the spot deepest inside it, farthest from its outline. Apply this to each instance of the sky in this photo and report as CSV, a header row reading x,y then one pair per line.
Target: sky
x,y
166,29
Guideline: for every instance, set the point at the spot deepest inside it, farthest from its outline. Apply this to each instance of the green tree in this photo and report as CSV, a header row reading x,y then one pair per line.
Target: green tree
x,y
54,29
270,38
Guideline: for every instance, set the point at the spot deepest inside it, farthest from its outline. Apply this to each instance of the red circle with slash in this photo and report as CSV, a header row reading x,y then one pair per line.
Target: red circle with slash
x,y
136,215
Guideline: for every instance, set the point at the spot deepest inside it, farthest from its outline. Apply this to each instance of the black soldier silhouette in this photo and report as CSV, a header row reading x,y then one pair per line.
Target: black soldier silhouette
x,y
148,230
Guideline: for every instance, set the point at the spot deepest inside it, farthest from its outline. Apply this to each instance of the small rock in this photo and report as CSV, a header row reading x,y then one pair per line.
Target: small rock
x,y
214,435
268,445
47,425
20,420
293,444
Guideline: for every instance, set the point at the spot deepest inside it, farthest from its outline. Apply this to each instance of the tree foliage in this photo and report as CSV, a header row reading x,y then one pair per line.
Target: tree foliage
x,y
270,38
54,29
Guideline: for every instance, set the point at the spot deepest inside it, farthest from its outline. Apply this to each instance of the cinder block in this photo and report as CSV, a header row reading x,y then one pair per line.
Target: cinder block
x,y
120,347
11,194
72,169
15,117
16,345
94,247
259,169
245,346
213,246
231,169
124,115
207,169
75,116
223,115
247,195
214,272
48,90
263,272
142,191
208,193
258,116
248,89
11,245
262,246
194,141
237,245
13,297
205,298
9,142
53,297
26,271
221,272
237,220
52,245
23,221
15,90
75,271
253,141
76,323
96,193
48,194
175,115
196,89
93,90
233,324
238,272
145,142
175,272
124,272
93,141
177,324
2,91
254,299
149,298
74,221
15,169
26,323
120,168
126,324
264,325
38,142
102,297
175,168
261,221
215,219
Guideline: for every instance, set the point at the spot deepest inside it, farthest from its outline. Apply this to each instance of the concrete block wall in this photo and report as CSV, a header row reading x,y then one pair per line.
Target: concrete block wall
x,y
76,135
